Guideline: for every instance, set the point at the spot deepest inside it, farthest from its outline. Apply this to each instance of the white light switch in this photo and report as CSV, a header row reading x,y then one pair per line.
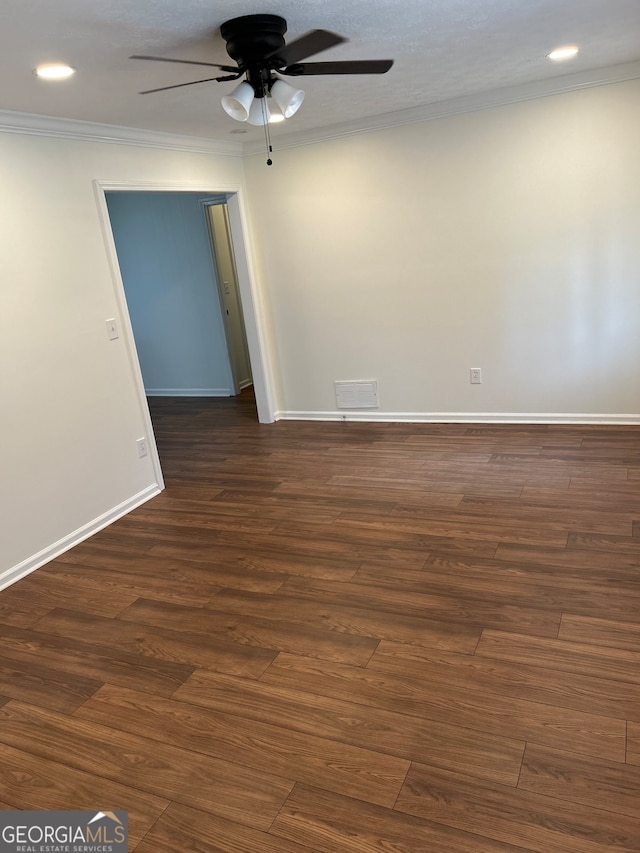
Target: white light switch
x,y
112,329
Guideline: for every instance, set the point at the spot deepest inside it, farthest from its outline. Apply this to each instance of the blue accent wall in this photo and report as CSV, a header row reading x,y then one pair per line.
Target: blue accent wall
x,y
164,254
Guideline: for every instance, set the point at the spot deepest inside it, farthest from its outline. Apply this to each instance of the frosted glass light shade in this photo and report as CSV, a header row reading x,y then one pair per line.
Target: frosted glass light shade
x,y
287,98
259,113
238,103
275,113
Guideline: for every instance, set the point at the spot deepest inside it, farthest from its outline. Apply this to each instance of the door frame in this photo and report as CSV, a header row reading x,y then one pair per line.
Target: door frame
x,y
247,283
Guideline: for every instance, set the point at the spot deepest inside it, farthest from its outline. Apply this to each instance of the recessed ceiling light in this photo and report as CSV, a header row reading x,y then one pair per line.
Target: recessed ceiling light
x,y
562,53
54,71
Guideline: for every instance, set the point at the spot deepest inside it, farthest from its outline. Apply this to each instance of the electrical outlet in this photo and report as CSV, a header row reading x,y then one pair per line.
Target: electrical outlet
x,y
142,447
475,375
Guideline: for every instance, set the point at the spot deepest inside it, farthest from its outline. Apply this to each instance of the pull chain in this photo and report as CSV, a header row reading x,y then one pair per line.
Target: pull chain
x,y
267,134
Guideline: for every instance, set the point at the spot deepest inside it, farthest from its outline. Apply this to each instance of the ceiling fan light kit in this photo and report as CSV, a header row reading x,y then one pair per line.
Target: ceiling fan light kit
x,y
256,43
243,104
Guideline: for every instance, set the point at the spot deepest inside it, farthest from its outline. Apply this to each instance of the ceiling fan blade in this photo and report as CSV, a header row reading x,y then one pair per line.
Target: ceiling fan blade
x,y
192,83
312,42
185,62
363,66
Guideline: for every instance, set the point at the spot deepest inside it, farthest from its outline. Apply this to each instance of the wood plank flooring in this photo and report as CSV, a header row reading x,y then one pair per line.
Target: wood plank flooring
x,y
343,637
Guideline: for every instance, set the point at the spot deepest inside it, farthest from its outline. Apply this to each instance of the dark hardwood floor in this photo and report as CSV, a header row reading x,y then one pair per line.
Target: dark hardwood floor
x,y
343,637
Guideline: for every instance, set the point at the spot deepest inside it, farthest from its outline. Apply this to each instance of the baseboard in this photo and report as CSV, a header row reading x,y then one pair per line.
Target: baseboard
x,y
188,392
29,565
461,417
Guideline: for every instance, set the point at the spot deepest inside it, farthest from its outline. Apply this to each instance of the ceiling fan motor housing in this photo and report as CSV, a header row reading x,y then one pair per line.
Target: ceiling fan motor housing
x,y
252,38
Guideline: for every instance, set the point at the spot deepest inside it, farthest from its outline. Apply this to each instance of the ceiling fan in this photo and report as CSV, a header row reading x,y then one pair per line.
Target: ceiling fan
x,y
257,45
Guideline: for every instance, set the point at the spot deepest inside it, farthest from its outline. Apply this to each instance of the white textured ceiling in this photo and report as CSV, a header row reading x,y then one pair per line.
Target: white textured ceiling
x,y
443,49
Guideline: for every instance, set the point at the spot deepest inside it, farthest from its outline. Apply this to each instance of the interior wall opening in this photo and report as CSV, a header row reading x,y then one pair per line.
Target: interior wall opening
x,y
172,283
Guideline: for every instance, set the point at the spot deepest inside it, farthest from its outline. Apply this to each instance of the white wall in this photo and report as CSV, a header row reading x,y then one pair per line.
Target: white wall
x,y
506,239
69,411
165,257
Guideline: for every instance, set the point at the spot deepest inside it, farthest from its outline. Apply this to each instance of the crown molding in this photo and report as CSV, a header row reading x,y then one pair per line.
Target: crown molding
x,y
456,106
40,125
63,128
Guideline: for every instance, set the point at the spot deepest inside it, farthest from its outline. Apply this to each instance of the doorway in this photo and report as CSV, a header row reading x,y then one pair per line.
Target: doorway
x,y
172,280
255,333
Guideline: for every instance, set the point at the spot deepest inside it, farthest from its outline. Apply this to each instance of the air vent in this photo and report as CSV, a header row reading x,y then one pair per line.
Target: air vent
x,y
362,394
